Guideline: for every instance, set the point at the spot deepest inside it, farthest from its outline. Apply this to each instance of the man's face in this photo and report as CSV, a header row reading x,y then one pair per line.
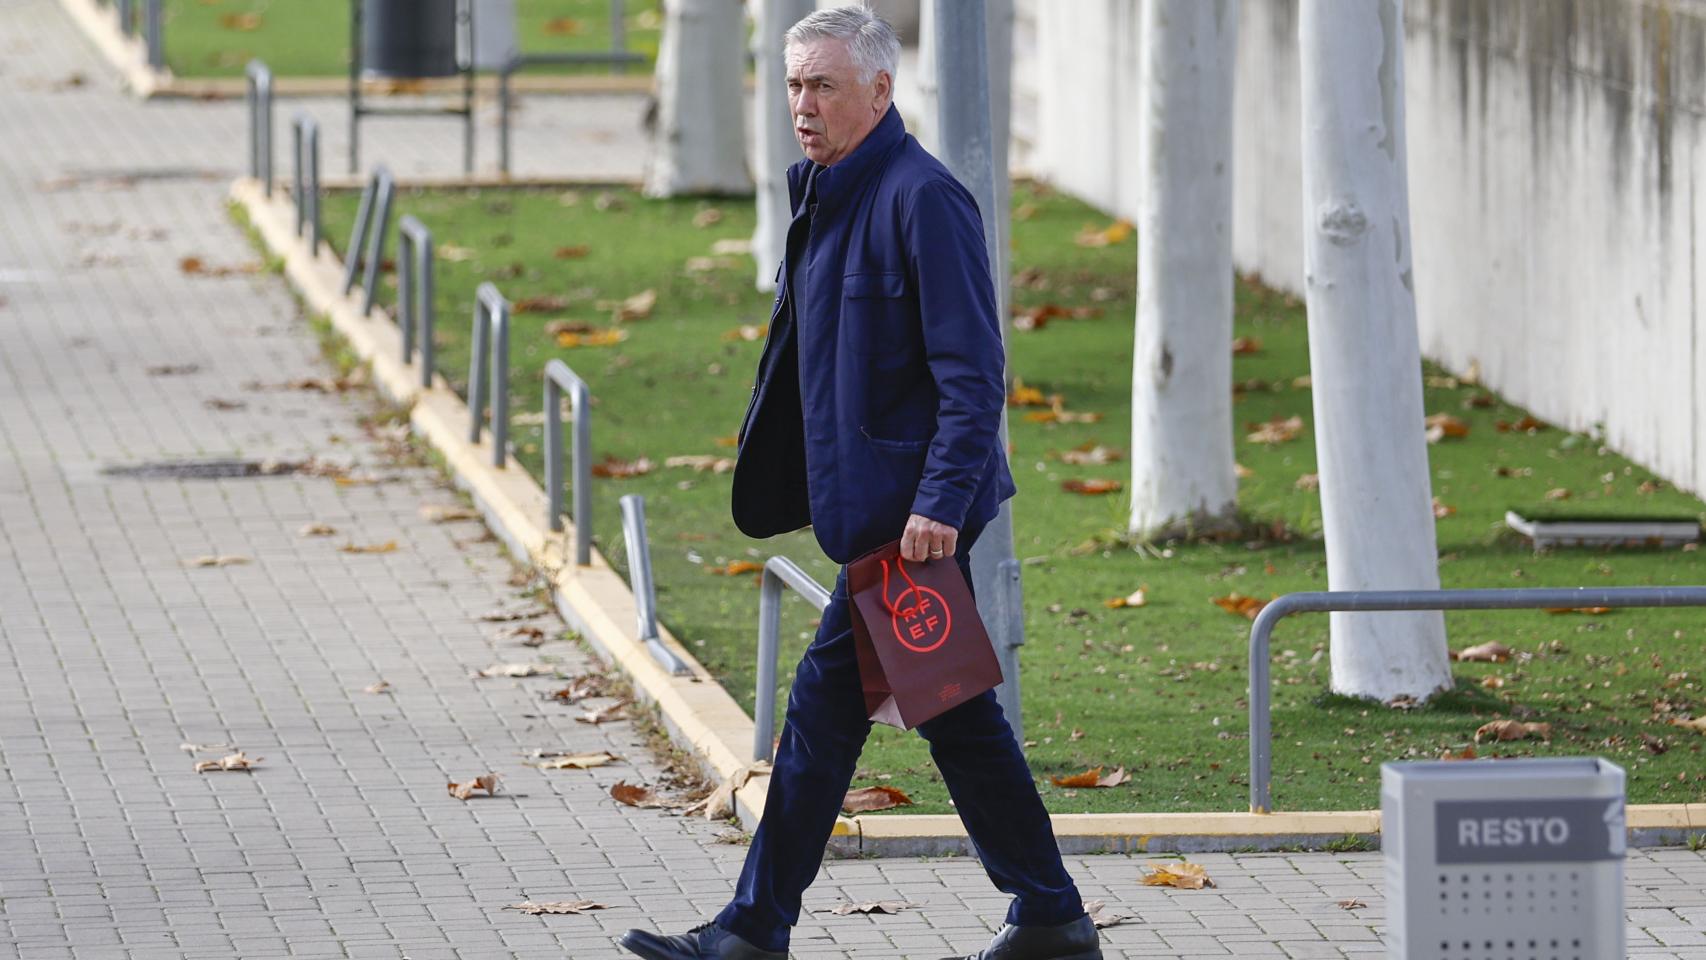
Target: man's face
x,y
833,112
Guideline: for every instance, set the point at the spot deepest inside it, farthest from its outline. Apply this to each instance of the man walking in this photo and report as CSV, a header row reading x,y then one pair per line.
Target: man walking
x,y
875,415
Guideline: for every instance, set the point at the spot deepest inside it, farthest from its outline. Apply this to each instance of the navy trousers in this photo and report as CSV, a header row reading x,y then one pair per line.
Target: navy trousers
x,y
825,729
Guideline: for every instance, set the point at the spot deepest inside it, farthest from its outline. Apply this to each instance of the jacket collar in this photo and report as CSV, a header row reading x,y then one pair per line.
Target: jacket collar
x,y
836,182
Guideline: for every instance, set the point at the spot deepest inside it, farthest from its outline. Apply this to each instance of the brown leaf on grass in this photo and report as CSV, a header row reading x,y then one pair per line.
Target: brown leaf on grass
x,y
601,337
1493,682
1558,493
1091,487
735,568
1591,611
1113,233
1090,454
1352,905
1479,401
637,307
1244,346
1698,724
848,907
1240,605
518,613
577,761
1277,430
512,670
439,513
622,469
749,332
557,328
389,546
1308,481
708,217
1035,318
562,26
704,463
1185,876
236,761
721,802
1467,753
604,714
580,687
217,560
1442,509
731,246
378,686
867,799
1654,745
1101,916
241,22
549,303
1490,652
1443,425
729,441
1527,424
1093,778
556,906
1501,730
572,252
1137,598
1242,472
1022,395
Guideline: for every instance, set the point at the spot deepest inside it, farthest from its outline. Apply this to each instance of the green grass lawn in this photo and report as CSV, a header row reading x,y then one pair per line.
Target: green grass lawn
x,y
310,38
1158,689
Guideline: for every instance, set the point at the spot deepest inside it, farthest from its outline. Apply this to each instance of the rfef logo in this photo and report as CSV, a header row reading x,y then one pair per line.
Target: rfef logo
x,y
922,620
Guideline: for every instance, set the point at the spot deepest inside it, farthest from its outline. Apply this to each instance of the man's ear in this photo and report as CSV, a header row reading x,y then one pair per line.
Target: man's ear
x,y
883,86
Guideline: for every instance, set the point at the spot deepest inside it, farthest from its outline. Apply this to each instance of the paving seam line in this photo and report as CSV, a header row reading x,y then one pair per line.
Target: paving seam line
x,y
697,712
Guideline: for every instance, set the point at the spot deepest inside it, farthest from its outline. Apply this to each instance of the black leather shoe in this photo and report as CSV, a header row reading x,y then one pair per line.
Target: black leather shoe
x,y
1077,940
707,941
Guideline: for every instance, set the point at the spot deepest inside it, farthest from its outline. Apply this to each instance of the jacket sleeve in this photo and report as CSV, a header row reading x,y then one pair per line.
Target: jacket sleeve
x,y
962,344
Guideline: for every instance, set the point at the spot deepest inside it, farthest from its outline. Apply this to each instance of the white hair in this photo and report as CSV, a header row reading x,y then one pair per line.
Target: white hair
x,y
870,39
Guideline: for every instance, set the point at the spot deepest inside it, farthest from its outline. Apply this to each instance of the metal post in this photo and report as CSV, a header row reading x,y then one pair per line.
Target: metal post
x,y
962,78
1261,632
312,194
491,332
416,292
618,36
640,579
297,173
376,239
467,17
358,233
504,75
259,97
779,572
354,85
154,33
558,377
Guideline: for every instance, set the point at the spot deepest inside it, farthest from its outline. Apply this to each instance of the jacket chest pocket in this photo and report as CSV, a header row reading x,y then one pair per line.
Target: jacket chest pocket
x,y
878,318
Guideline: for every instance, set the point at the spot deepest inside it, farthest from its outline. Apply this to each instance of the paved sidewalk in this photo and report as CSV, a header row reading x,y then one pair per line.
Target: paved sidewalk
x,y
343,842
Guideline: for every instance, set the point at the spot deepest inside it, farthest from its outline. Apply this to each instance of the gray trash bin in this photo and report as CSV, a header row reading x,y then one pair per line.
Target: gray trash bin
x,y
407,39
1504,860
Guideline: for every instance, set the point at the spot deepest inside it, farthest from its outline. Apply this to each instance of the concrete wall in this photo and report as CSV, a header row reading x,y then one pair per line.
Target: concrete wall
x,y
1555,151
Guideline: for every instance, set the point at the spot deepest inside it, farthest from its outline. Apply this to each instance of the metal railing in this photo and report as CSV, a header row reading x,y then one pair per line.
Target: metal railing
x,y
372,220
559,378
779,572
258,97
618,56
417,288
491,338
305,178
640,580
154,33
1261,730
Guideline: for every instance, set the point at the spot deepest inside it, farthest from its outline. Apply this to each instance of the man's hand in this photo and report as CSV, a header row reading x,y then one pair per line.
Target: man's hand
x,y
926,539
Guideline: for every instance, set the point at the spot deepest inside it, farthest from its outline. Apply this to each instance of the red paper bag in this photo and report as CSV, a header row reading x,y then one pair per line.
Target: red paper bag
x,y
922,647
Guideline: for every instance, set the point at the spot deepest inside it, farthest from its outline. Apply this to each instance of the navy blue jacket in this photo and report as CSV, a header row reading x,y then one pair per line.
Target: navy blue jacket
x,y
880,390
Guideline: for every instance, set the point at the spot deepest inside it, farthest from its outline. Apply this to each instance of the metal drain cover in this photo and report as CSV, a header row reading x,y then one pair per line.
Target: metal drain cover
x,y
218,469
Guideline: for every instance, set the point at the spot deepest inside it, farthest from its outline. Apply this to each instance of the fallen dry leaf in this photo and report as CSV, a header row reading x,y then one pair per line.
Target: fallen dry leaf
x,y
1526,425
236,761
633,795
1101,916
704,463
562,26
603,337
748,332
1352,905
389,546
1654,745
172,369
1308,481
1467,753
1091,236
1242,472
434,513
548,303
1591,611
1240,605
1500,730
317,530
1243,346
219,403
1277,430
1092,778
1185,876
721,803
513,670
1443,425
735,568
867,799
572,252
521,613
708,217
556,906
620,469
463,791
1025,396
241,22
580,687
1558,493
731,246
1092,487
530,636
1442,509
1035,318
1698,724
637,307
577,761
1137,598
219,560
604,714
1493,682
1490,652
846,908
382,686
1090,454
